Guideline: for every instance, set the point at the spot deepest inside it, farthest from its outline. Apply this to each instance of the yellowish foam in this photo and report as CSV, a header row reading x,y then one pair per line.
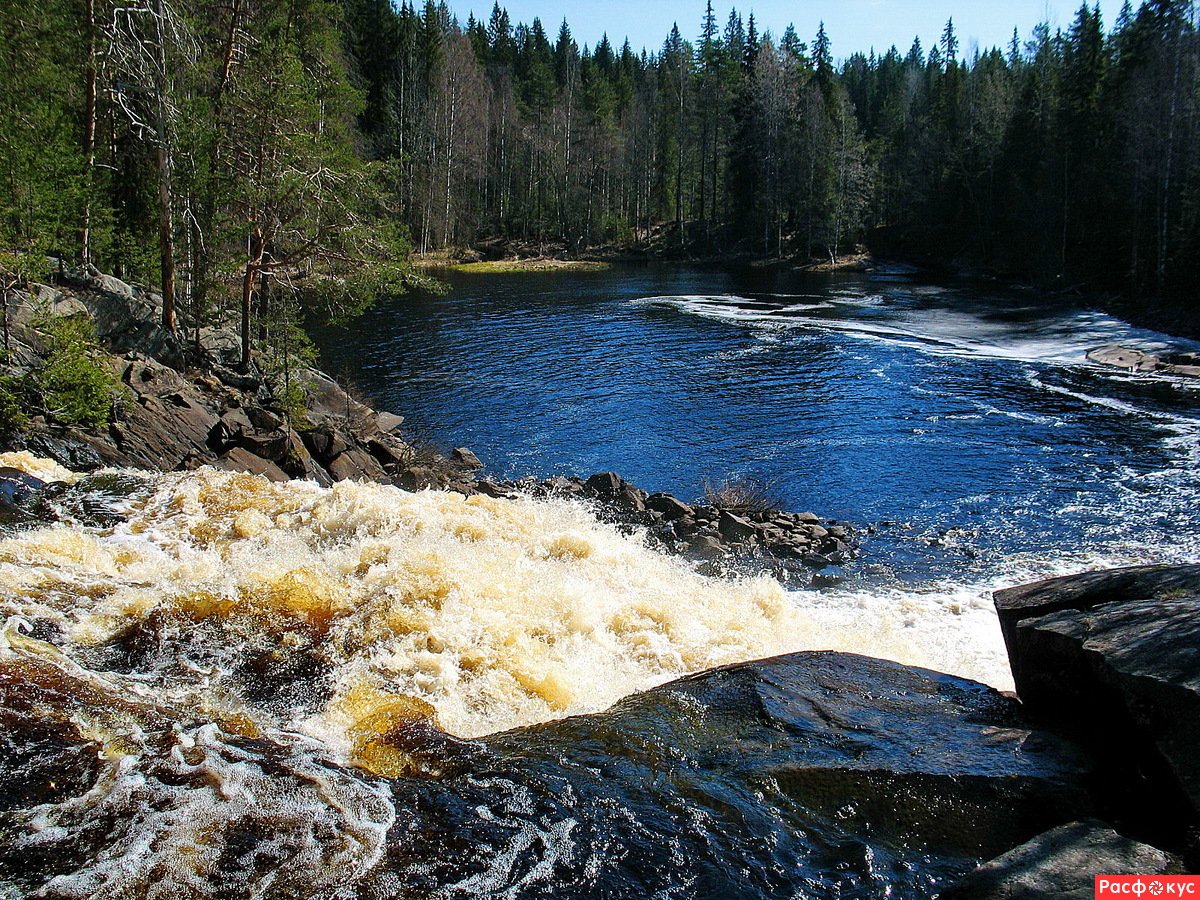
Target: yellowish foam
x,y
482,614
45,469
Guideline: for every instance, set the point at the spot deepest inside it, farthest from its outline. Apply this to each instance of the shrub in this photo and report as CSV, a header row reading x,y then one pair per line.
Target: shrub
x,y
76,385
12,409
743,495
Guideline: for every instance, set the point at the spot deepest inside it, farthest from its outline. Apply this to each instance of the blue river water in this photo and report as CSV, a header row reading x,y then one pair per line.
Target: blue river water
x,y
961,428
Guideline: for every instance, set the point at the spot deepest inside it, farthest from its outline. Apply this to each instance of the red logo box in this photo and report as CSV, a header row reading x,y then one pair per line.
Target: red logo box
x,y
1151,887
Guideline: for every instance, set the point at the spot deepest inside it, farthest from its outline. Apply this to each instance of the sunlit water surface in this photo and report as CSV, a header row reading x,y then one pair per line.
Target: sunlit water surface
x,y
962,427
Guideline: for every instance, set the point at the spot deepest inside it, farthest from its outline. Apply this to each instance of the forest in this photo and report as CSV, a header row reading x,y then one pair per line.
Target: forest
x,y
271,158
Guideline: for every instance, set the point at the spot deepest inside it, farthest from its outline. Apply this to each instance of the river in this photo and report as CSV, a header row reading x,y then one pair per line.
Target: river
x,y
959,428
215,686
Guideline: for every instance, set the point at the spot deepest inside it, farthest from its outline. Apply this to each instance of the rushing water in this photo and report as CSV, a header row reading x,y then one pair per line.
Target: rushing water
x,y
963,427
213,686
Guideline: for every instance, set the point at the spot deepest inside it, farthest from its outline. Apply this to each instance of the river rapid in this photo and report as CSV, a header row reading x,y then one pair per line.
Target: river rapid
x,y
959,428
213,686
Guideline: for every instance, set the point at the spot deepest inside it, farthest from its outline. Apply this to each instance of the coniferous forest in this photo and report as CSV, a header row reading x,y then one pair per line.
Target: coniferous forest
x,y
222,150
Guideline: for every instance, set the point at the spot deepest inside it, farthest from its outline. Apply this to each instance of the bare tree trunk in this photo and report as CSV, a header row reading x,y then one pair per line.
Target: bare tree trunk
x,y
1164,210
253,261
162,161
89,129
453,99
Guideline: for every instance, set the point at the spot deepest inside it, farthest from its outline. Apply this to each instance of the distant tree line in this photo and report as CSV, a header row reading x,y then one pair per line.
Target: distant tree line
x,y
263,158
1074,154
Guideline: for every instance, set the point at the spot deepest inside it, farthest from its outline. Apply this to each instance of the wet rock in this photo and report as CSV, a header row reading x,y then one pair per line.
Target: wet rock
x,y
1061,863
707,546
240,459
568,487
605,485
810,775
828,578
75,451
736,529
492,489
417,478
461,456
17,487
670,507
1114,657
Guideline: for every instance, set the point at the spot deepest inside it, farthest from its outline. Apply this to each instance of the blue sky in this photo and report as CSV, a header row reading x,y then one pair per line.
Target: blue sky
x,y
852,24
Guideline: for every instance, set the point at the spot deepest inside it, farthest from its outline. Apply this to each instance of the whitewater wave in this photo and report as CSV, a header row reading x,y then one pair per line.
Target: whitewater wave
x,y
1062,338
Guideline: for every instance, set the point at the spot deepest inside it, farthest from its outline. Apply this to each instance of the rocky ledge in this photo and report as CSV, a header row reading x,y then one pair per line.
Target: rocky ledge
x,y
1186,364
1111,662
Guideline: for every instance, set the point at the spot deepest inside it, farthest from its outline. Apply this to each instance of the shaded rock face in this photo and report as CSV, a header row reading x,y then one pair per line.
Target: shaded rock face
x,y
810,775
1114,658
1062,863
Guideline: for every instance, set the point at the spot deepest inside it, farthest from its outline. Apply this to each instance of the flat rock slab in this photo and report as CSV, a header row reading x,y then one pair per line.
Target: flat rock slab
x,y
1185,364
1061,864
1115,657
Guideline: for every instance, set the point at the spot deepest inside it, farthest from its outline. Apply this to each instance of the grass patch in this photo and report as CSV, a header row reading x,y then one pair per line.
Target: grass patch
x,y
531,265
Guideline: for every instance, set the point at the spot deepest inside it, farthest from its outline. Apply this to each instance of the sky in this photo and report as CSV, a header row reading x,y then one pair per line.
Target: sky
x,y
852,25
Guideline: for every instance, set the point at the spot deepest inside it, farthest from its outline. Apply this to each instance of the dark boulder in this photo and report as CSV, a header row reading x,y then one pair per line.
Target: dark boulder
x,y
18,487
707,546
264,419
605,485
670,507
463,457
272,445
1114,657
323,442
735,528
810,775
1061,863
77,451
389,450
417,478
228,430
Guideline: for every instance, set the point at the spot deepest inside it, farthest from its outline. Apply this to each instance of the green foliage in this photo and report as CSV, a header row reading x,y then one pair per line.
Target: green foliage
x,y
13,417
76,385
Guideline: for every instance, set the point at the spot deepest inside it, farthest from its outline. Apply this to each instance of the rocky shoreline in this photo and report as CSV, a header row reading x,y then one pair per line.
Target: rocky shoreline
x,y
1143,363
179,413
